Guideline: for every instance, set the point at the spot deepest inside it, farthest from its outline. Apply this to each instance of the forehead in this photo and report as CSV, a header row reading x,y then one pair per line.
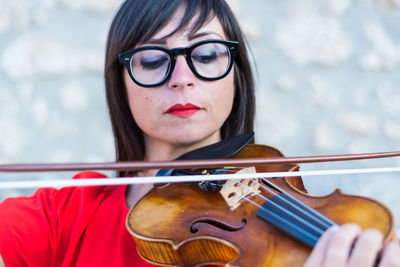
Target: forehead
x,y
211,26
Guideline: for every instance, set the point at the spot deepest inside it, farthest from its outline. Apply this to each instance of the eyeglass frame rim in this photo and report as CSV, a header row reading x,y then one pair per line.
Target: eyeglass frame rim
x,y
231,45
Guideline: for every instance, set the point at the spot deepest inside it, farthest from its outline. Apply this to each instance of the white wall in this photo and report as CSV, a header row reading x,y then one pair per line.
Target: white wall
x,y
328,82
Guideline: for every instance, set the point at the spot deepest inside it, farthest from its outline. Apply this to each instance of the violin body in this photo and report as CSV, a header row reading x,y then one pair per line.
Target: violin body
x,y
183,225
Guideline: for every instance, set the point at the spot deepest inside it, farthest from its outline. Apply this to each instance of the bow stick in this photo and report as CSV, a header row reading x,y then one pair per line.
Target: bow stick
x,y
140,165
186,164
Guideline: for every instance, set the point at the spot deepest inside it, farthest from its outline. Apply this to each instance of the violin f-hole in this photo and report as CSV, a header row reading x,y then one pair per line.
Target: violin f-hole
x,y
194,227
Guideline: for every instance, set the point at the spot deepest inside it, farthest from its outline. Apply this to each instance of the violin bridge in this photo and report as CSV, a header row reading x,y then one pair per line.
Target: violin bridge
x,y
234,191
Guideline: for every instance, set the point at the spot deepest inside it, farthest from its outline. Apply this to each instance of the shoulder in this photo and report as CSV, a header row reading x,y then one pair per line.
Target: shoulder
x,y
47,201
52,220
86,199
89,175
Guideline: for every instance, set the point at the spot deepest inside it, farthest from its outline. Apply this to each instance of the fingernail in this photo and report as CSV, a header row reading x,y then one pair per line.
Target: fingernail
x,y
333,228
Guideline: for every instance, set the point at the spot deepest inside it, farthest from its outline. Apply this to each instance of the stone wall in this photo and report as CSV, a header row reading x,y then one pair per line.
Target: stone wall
x,y
327,82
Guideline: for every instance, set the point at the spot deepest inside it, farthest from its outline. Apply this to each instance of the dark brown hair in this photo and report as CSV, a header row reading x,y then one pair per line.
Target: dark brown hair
x,y
136,22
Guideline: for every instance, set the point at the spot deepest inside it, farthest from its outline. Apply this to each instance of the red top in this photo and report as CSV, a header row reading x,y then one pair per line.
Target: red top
x,y
75,226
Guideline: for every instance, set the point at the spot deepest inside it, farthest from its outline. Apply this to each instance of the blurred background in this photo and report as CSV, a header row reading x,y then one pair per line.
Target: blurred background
x,y
327,71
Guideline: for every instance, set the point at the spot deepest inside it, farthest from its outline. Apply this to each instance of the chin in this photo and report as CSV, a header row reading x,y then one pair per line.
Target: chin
x,y
193,138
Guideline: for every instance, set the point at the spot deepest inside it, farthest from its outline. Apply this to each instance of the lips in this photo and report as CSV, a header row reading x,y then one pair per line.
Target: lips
x,y
183,110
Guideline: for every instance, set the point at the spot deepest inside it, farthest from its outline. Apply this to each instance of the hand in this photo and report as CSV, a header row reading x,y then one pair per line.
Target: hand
x,y
349,246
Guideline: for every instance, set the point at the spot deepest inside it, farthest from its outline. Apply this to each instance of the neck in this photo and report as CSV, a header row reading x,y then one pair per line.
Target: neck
x,y
158,150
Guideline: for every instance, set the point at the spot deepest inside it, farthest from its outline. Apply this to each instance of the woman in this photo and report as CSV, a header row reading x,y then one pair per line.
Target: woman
x,y
157,113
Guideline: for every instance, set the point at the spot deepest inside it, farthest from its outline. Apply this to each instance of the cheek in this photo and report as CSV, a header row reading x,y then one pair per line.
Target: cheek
x,y
140,102
141,107
226,95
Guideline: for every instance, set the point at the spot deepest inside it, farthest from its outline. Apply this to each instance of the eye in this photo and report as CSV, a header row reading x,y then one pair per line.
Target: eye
x,y
205,57
210,53
153,62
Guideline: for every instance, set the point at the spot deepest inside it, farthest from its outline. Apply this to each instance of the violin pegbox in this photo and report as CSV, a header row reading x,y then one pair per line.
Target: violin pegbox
x,y
234,191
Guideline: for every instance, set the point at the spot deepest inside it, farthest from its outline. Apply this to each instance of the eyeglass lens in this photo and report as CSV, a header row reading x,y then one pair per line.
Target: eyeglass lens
x,y
210,60
150,66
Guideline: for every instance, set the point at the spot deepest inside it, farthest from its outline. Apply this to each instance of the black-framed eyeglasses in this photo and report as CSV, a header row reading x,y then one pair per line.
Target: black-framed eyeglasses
x,y
151,66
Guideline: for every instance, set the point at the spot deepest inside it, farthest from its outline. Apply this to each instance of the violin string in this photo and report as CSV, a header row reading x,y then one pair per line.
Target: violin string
x,y
171,179
252,202
288,214
292,213
299,205
298,208
295,228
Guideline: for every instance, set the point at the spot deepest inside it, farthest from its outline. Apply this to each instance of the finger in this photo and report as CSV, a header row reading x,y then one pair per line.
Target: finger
x,y
390,255
366,248
317,255
340,244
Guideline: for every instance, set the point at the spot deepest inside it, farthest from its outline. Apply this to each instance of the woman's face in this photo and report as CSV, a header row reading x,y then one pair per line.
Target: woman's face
x,y
206,104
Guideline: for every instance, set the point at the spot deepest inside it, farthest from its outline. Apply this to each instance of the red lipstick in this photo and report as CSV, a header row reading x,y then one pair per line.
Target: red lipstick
x,y
183,110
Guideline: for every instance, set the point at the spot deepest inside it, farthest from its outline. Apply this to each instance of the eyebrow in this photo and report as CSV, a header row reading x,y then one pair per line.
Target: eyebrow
x,y
201,34
163,40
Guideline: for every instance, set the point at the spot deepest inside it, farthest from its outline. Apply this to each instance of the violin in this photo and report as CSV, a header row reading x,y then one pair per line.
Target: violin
x,y
255,222
249,222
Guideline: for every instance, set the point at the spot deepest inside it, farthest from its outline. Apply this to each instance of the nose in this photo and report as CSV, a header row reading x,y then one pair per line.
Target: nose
x,y
181,76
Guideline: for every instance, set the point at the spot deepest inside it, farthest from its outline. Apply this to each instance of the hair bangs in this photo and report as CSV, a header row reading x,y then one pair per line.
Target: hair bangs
x,y
200,10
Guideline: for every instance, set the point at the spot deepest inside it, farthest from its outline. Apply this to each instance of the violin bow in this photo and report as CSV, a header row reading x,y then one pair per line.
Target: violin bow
x,y
187,164
182,164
